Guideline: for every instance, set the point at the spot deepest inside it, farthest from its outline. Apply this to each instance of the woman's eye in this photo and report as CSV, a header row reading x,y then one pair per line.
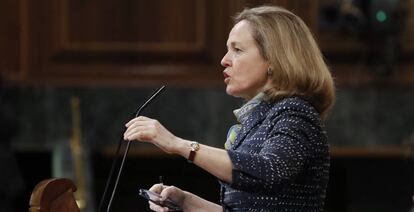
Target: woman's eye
x,y
237,50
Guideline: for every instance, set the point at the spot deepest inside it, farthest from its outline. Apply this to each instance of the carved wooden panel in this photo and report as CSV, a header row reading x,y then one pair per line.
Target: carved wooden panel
x,y
122,42
140,42
139,26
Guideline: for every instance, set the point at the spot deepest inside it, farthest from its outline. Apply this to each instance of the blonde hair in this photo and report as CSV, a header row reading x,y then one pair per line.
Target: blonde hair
x,y
298,68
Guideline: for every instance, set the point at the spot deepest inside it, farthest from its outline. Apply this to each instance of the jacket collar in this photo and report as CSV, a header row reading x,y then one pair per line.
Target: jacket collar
x,y
257,115
243,113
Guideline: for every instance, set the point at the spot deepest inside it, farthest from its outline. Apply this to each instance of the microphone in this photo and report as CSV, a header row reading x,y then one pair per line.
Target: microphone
x,y
121,140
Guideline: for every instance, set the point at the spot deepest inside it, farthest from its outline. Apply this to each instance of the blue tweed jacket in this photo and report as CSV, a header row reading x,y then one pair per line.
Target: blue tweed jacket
x,y
280,160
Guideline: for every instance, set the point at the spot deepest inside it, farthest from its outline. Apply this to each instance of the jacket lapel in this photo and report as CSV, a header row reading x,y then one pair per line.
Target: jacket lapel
x,y
258,115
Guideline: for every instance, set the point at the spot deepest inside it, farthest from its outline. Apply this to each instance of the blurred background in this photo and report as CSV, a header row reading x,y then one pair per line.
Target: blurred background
x,y
73,71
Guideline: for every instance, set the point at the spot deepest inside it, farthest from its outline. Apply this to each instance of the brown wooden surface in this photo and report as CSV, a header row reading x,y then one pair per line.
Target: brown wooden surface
x,y
53,195
10,31
140,43
125,42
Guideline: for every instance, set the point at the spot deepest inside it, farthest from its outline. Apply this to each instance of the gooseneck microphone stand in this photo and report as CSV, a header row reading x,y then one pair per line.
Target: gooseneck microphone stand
x,y
115,161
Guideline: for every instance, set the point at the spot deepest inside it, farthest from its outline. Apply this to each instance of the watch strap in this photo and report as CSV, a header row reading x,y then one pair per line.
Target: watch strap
x,y
191,156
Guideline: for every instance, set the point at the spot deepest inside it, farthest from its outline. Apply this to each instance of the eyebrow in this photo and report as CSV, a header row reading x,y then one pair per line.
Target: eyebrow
x,y
233,43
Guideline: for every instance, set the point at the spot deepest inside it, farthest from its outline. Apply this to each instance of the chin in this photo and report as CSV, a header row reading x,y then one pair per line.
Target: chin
x,y
229,91
233,93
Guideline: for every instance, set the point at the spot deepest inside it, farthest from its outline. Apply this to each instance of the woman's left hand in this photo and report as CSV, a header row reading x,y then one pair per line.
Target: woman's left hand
x,y
150,130
173,193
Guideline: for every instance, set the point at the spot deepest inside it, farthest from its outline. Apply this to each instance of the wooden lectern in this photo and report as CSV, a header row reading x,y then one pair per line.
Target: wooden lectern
x,y
54,195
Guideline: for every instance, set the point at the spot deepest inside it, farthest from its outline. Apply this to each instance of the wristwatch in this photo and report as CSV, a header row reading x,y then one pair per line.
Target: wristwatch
x,y
194,147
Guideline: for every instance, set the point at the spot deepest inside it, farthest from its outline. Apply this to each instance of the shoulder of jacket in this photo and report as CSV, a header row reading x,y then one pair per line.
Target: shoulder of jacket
x,y
292,106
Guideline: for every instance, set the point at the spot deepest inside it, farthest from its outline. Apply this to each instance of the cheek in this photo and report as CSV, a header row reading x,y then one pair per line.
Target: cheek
x,y
242,69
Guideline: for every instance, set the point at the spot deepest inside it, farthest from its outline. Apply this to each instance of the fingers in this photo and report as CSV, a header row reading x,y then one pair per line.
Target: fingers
x,y
137,119
171,192
157,188
152,131
141,133
163,190
167,192
140,128
156,207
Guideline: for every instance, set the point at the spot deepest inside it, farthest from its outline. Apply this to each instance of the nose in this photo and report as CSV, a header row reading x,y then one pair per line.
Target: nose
x,y
225,61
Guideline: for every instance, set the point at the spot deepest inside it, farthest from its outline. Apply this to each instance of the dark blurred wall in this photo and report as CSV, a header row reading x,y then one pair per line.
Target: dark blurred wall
x,y
44,114
11,180
361,117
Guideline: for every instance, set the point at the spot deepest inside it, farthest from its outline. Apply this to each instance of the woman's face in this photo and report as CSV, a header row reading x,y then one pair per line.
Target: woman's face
x,y
245,71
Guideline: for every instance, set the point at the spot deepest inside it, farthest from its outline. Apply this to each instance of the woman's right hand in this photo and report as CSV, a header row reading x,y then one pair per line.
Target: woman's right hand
x,y
171,192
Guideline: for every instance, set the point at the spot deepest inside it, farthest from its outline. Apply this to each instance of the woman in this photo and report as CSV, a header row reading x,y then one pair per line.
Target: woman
x,y
277,159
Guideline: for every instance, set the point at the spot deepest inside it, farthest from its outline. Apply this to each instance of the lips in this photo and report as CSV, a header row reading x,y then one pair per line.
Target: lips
x,y
226,77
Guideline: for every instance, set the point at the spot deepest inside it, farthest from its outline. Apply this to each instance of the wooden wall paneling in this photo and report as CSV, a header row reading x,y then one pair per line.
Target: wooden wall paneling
x,y
139,26
408,30
150,42
126,42
307,10
10,40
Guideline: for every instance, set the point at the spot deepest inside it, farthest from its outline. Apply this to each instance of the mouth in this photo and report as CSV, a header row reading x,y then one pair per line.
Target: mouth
x,y
226,77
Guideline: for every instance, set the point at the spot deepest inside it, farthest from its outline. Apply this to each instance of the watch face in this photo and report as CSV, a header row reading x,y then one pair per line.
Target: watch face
x,y
194,146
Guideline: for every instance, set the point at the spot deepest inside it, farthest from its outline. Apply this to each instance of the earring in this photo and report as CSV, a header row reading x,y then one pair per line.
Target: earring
x,y
269,71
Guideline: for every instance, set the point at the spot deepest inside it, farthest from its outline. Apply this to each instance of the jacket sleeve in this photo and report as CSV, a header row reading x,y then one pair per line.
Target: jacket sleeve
x,y
284,155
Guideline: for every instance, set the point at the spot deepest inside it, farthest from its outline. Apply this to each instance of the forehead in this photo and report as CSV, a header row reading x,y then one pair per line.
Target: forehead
x,y
241,33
